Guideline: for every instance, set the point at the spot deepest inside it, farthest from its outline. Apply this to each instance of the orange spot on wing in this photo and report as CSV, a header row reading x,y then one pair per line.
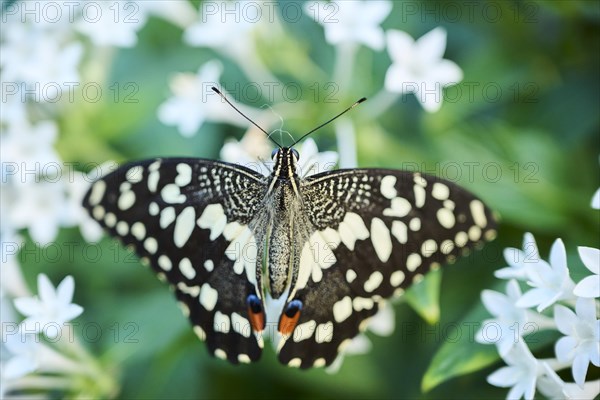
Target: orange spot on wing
x,y
287,324
257,320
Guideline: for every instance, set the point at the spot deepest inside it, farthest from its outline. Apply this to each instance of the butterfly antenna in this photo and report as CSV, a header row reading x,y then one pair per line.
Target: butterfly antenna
x,y
217,91
325,123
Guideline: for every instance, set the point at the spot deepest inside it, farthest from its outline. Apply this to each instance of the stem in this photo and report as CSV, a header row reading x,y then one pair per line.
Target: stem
x,y
344,61
346,143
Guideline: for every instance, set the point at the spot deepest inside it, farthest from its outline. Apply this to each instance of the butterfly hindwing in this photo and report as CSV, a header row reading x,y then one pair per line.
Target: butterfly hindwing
x,y
188,218
375,232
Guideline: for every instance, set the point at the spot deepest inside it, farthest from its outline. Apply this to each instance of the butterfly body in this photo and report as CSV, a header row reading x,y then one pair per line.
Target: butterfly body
x,y
331,247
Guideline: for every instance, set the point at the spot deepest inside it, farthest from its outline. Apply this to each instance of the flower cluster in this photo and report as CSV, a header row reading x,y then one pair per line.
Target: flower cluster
x,y
41,352
417,65
43,57
549,289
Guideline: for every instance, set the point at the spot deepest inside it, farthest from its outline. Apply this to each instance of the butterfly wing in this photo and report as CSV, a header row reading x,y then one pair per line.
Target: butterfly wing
x,y
190,219
375,233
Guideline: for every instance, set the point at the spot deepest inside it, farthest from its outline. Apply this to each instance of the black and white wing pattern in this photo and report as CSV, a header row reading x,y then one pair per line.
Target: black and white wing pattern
x,y
189,218
374,232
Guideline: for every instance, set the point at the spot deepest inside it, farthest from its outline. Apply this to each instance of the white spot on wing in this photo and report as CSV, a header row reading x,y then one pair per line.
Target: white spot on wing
x,y
478,212
399,207
213,218
362,303
400,231
97,193
388,189
184,174
171,194
241,325
135,174
304,331
428,247
373,282
138,230
184,226
440,191
165,262
342,309
419,195
446,218
350,275
208,297
186,268
209,265
200,332
397,278
380,237
167,216
126,200
151,245
413,261
324,332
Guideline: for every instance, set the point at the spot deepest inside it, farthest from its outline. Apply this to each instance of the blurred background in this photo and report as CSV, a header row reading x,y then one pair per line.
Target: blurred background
x,y
517,123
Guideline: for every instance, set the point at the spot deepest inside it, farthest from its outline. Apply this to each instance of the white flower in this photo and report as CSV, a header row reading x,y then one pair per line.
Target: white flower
x,y
550,282
25,350
507,317
27,151
519,260
112,23
54,306
194,102
312,162
231,34
418,67
589,286
41,58
39,207
349,22
582,341
596,200
254,151
521,373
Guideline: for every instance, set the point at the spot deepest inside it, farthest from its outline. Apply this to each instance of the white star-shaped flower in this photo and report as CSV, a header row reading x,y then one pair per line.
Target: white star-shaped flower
x,y
114,23
551,282
519,260
581,343
193,101
589,286
507,315
350,22
418,67
77,185
254,152
24,353
520,375
53,306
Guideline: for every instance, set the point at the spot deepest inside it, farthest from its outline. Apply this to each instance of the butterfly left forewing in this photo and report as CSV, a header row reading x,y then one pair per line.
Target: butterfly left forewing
x,y
373,234
189,218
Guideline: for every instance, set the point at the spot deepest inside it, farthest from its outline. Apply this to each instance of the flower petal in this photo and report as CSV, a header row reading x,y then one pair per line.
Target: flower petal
x,y
590,258
65,290
558,257
564,348
28,305
46,290
432,45
17,367
580,367
504,377
596,200
588,287
565,319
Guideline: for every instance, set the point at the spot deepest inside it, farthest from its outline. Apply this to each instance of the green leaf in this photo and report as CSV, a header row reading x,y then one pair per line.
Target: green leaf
x,y
424,297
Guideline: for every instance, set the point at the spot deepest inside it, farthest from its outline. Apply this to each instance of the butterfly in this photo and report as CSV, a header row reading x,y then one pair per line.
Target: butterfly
x,y
321,252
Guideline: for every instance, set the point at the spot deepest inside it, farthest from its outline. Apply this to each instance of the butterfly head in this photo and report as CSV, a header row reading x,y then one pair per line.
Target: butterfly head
x,y
286,161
